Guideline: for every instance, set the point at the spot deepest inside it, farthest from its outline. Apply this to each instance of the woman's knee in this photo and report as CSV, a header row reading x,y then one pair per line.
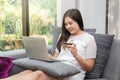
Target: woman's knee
x,y
38,72
26,72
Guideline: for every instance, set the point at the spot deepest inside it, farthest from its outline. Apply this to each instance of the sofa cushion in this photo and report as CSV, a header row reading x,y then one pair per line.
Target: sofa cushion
x,y
56,68
112,69
5,66
103,49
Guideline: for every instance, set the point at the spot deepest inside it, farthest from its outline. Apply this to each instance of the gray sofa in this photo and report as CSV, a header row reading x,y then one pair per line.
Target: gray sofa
x,y
111,69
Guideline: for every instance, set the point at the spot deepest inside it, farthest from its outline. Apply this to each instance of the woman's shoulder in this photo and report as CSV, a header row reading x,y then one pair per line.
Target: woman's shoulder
x,y
88,35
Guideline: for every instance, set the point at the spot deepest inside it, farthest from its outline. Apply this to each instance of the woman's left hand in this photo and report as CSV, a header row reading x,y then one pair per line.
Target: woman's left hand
x,y
73,49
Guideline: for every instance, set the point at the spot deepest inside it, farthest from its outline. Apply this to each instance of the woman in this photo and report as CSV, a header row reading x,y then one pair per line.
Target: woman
x,y
80,53
30,75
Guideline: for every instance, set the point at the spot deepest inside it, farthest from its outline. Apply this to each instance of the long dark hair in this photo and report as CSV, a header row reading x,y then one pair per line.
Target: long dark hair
x,y
75,15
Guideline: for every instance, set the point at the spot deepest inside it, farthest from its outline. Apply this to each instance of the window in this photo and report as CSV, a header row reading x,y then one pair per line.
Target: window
x,y
42,19
10,24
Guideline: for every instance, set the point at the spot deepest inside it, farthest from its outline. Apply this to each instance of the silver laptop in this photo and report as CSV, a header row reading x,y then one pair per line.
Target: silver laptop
x,y
36,48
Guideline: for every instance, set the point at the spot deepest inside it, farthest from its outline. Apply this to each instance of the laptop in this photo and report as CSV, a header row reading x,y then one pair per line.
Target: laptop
x,y
36,48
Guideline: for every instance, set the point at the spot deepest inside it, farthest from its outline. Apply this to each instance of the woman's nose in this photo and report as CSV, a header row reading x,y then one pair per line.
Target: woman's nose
x,y
68,26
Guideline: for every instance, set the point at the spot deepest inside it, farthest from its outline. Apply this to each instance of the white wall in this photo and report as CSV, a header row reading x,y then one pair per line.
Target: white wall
x,y
62,7
94,14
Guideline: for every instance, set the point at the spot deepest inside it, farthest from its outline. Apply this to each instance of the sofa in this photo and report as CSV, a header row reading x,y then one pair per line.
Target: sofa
x,y
110,71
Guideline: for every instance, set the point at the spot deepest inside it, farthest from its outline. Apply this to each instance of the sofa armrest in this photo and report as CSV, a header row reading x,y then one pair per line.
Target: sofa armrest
x,y
97,79
20,53
112,69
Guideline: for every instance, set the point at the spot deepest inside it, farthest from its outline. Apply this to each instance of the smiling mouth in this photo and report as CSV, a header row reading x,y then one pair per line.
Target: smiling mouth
x,y
70,30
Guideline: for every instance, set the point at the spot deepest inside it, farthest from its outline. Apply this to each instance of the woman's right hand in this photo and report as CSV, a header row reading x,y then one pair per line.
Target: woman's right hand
x,y
73,49
53,56
50,56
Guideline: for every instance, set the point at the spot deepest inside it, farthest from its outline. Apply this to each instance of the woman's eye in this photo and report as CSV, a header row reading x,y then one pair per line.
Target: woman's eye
x,y
70,23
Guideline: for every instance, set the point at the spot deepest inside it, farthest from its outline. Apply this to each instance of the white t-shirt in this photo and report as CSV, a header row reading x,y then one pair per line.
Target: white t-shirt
x,y
86,48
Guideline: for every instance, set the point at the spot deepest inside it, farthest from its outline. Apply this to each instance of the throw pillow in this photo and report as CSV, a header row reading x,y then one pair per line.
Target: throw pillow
x,y
5,66
103,42
55,68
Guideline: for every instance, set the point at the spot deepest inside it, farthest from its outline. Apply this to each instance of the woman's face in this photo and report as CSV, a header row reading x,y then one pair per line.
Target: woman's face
x,y
72,26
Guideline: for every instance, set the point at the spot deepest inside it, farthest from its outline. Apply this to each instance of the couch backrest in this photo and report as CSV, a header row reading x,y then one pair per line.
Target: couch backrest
x,y
56,33
19,53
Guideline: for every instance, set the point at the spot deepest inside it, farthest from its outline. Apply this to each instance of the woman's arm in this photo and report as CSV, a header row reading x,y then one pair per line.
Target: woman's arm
x,y
86,64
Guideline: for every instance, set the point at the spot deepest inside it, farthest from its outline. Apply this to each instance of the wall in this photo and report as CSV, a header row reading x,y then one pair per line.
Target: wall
x,y
62,7
94,14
